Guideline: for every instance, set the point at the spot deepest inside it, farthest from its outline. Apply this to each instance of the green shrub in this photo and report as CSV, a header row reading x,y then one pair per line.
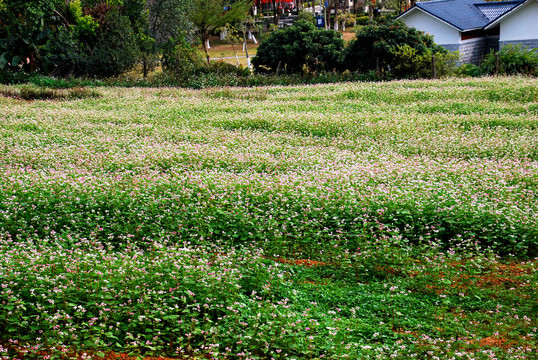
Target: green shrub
x,y
412,65
307,16
375,45
300,48
12,76
512,60
108,50
181,59
65,55
470,70
363,20
185,66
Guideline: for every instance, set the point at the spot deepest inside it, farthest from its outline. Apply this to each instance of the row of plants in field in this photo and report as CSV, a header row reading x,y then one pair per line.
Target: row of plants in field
x,y
287,213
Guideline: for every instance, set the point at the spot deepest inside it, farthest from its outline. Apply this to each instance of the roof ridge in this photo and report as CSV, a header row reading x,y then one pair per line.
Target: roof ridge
x,y
467,15
433,1
498,2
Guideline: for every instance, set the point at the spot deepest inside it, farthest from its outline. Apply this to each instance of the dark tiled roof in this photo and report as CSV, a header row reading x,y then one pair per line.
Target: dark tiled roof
x,y
493,10
467,14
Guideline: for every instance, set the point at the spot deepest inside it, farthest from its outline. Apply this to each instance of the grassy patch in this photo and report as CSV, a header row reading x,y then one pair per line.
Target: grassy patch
x,y
31,92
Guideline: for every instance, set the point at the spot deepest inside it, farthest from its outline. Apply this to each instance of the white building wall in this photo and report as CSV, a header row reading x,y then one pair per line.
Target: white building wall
x,y
522,25
443,34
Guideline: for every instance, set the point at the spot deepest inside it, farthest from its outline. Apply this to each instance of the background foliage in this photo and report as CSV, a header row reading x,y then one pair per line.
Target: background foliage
x,y
106,39
86,37
300,48
375,46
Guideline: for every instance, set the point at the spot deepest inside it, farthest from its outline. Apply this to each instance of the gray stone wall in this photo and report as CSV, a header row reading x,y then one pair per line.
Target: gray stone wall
x,y
473,51
451,47
533,44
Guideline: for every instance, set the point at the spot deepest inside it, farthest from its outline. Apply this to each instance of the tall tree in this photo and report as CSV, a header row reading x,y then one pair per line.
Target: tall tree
x,y
209,15
97,38
167,19
24,27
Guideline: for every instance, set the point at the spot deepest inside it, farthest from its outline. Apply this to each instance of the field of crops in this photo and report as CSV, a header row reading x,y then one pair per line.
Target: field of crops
x,y
355,220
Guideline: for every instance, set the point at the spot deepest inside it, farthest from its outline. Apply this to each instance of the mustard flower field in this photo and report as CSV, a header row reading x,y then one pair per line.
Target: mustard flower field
x,y
357,220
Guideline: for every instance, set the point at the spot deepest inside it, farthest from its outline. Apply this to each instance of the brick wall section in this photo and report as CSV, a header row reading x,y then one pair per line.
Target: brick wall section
x,y
451,47
473,51
528,43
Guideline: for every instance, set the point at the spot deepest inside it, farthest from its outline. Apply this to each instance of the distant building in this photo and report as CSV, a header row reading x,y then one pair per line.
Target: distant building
x,y
518,26
474,27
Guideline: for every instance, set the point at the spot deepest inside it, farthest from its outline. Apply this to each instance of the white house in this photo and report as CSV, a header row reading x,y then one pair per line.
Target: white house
x,y
518,26
474,27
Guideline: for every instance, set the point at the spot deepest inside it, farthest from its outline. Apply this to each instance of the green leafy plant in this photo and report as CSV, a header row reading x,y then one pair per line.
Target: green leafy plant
x,y
353,220
512,59
375,45
306,15
410,64
299,48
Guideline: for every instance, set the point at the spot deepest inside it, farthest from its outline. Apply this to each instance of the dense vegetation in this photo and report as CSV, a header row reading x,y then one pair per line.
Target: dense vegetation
x,y
300,48
349,220
105,39
388,49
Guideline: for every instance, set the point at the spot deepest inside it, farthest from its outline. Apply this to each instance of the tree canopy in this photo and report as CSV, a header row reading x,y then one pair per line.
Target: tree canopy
x,y
375,45
209,15
300,47
86,37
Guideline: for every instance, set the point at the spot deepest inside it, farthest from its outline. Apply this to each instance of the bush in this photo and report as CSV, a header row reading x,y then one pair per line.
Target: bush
x,y
512,60
412,65
470,70
108,51
185,66
362,20
13,76
65,55
375,45
180,58
306,15
300,48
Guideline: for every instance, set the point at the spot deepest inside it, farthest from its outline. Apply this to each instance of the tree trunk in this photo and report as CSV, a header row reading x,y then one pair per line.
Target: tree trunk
x,y
246,49
328,24
205,43
336,8
275,13
145,67
235,53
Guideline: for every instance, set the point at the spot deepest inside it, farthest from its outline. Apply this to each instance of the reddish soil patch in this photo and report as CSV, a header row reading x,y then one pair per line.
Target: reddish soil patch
x,y
491,341
497,341
500,275
303,262
348,35
505,276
